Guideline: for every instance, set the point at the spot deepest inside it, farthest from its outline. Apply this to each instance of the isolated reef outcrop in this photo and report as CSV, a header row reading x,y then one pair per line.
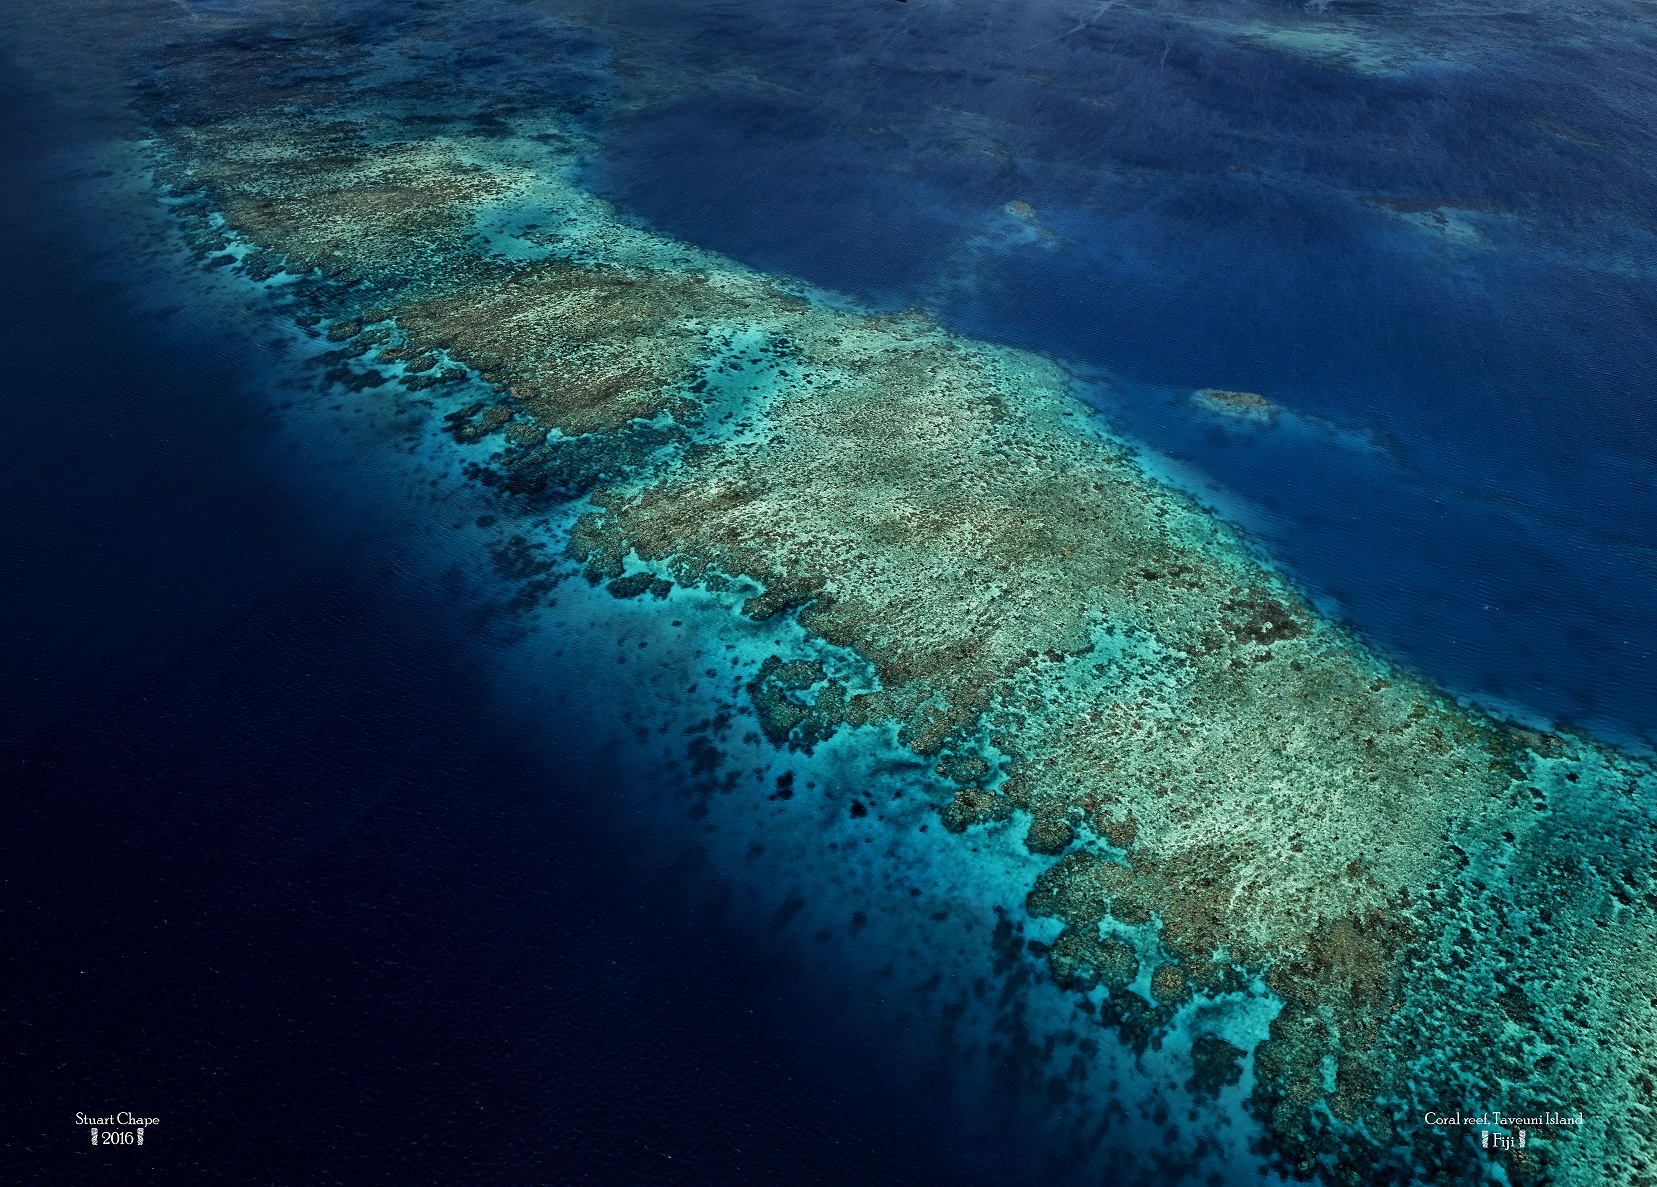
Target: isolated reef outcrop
x,y
1245,405
1452,910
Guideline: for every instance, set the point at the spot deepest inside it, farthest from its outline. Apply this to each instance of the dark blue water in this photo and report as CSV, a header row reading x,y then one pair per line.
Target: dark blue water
x,y
278,868
1207,204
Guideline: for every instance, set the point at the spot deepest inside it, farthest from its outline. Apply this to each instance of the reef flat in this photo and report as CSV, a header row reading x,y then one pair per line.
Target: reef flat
x,y
1454,913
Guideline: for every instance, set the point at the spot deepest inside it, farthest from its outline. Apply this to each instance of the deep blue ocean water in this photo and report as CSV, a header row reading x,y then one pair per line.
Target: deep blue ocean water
x,y
278,864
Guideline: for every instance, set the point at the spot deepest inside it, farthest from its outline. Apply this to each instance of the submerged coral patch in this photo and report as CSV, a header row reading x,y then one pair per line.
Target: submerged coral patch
x,y
1245,405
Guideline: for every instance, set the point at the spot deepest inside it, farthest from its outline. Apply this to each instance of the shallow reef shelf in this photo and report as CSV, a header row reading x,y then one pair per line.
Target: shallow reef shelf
x,y
1215,795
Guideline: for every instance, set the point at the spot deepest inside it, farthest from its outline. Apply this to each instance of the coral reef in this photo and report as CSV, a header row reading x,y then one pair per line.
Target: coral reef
x,y
1449,908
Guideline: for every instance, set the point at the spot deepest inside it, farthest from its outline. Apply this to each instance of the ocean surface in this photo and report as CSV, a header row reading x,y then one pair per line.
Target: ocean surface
x,y
322,855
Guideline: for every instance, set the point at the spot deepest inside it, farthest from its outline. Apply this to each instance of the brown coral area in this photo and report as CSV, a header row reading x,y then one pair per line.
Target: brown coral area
x,y
327,201
582,347
947,542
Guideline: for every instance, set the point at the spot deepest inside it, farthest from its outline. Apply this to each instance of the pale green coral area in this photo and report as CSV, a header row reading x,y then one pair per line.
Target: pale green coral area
x,y
1453,910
